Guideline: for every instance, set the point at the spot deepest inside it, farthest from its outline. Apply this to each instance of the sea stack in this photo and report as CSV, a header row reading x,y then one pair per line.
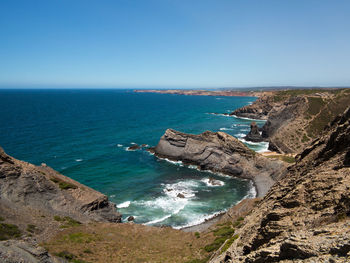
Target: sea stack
x,y
254,134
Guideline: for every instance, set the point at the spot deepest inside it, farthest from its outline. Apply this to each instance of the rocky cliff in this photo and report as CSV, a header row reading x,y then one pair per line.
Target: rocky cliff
x,y
305,216
296,117
220,152
32,194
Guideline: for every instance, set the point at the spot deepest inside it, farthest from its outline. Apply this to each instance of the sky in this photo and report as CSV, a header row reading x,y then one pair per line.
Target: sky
x,y
174,43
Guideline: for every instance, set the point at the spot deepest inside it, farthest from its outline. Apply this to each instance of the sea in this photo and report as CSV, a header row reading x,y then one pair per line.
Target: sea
x,y
85,134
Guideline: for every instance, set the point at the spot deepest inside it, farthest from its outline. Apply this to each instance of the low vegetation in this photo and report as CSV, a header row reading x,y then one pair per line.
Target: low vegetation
x,y
31,228
9,231
67,221
104,242
63,184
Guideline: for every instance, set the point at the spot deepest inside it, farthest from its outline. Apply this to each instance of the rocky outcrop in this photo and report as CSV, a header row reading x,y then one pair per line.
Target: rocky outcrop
x,y
220,152
44,191
254,133
295,117
305,216
258,110
14,251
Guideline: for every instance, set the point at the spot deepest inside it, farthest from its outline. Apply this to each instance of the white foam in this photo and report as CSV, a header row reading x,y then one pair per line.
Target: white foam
x,y
245,118
184,188
199,219
216,182
225,129
252,191
240,135
78,160
239,125
219,114
133,143
120,145
180,163
112,196
157,220
124,204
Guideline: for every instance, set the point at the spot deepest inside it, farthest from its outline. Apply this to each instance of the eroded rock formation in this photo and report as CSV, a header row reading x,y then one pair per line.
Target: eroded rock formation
x,y
41,189
220,152
254,133
305,216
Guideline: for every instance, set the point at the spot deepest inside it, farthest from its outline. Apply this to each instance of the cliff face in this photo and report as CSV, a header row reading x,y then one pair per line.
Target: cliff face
x,y
220,152
258,110
27,190
305,215
296,117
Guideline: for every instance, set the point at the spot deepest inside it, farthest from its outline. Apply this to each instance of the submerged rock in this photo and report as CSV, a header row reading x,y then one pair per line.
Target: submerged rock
x,y
214,182
131,218
179,195
254,134
134,147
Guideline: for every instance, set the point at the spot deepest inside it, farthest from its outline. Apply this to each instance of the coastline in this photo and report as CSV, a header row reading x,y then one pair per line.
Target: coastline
x,y
223,93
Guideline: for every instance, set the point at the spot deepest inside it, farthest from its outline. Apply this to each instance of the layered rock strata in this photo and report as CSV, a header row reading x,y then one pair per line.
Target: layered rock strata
x,y
305,216
254,133
25,186
220,152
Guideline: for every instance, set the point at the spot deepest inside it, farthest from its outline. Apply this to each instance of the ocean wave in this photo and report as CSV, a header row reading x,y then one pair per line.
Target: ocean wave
x,y
219,114
120,145
240,135
249,119
179,163
240,125
252,191
124,204
78,160
185,188
199,219
157,220
215,183
225,129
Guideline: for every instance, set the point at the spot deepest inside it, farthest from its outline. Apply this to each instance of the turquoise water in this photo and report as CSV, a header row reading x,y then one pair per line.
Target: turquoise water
x,y
84,134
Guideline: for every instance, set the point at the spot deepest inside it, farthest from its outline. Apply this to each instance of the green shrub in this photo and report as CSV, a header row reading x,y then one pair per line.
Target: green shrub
x,y
215,245
8,231
62,184
66,186
229,243
88,251
58,218
225,231
2,219
197,235
31,228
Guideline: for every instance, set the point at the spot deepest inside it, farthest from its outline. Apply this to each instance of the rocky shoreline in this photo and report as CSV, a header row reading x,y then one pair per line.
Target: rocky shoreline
x,y
222,153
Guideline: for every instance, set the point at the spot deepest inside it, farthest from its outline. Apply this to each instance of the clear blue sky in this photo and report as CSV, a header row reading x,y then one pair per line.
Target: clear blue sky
x,y
175,43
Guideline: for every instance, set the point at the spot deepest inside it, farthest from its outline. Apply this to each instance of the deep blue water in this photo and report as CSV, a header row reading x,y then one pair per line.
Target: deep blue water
x,y
83,135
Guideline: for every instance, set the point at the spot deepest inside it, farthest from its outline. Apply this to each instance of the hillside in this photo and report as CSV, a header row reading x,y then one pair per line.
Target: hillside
x,y
296,117
304,216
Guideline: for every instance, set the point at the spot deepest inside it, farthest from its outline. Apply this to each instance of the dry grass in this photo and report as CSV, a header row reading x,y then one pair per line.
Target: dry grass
x,y
103,242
